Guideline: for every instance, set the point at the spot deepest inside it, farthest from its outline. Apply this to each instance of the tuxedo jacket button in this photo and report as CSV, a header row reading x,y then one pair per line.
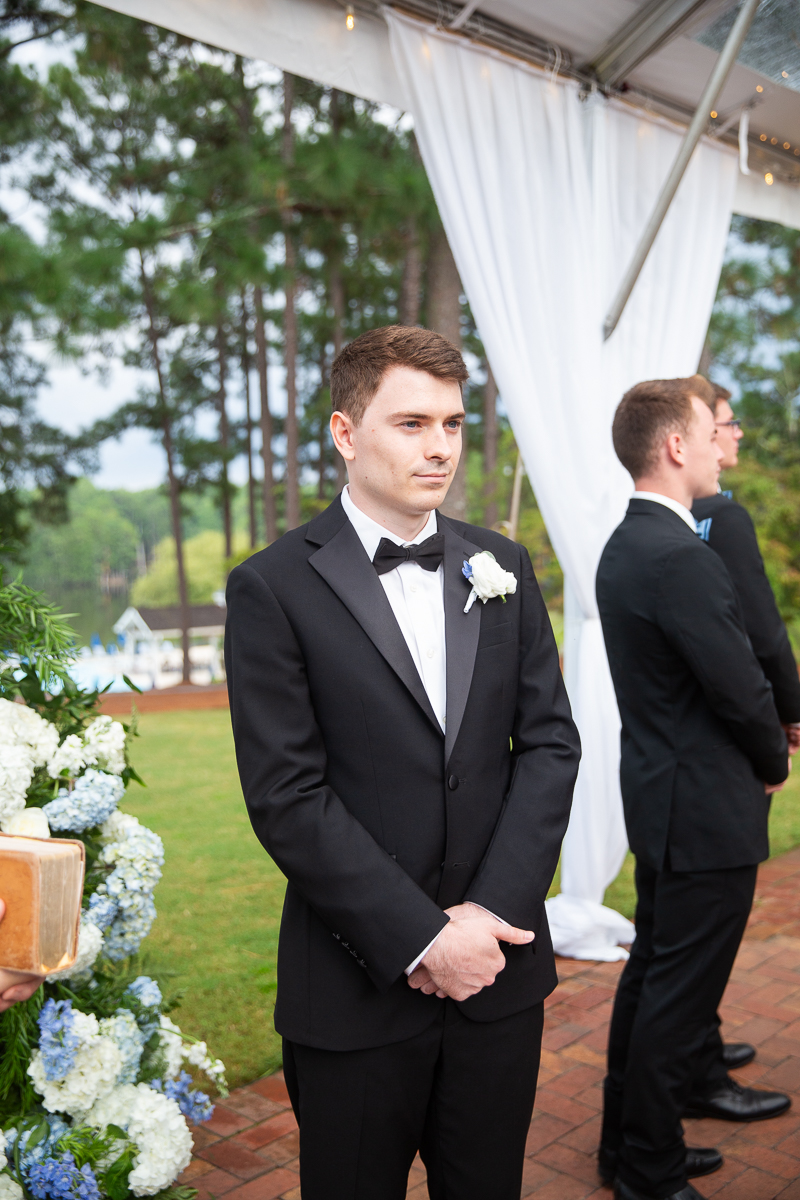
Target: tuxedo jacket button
x,y
452,782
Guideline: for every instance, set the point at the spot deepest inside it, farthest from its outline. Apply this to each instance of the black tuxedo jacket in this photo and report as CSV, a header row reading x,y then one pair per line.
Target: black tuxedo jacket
x,y
733,536
377,819
700,733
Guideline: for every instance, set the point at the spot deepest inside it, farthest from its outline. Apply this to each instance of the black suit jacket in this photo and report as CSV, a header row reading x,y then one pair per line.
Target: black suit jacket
x,y
700,733
732,535
377,819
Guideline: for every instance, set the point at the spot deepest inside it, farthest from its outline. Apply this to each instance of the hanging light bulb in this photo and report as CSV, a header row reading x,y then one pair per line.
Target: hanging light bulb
x,y
713,115
350,18
768,178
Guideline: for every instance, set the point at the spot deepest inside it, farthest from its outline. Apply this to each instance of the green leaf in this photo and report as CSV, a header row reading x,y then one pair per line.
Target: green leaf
x,y
115,1179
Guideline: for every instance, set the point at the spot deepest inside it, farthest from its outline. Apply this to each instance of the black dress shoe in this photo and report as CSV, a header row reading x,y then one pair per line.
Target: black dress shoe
x,y
737,1054
623,1192
732,1102
700,1160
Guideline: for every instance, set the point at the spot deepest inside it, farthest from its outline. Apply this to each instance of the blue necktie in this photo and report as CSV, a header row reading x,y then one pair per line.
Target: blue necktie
x,y
704,528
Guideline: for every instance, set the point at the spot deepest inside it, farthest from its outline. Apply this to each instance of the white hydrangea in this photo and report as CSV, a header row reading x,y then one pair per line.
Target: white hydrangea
x,y
176,1052
171,1045
9,1188
69,757
104,741
20,725
27,741
90,943
16,772
30,822
129,1039
156,1126
98,1063
197,1054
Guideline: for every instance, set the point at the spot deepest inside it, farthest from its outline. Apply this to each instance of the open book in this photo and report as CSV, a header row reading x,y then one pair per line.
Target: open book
x,y
41,882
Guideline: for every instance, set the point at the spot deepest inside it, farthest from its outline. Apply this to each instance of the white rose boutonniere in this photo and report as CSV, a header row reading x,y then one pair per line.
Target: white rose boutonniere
x,y
488,579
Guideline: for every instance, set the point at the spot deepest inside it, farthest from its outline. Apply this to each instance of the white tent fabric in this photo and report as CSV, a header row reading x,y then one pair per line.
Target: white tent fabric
x,y
543,195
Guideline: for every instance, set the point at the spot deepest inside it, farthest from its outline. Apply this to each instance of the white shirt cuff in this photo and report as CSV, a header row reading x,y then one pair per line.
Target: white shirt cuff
x,y
486,910
420,957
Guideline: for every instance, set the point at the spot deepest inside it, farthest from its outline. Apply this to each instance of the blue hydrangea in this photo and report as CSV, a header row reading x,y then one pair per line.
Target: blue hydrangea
x,y
93,799
102,910
60,1179
146,991
194,1104
57,1040
123,1029
131,925
45,1148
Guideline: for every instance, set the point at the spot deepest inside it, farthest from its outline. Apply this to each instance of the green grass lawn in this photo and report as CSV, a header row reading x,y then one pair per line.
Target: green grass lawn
x,y
219,901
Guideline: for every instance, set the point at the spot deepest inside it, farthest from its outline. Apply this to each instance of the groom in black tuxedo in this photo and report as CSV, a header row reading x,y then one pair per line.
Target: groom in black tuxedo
x,y
407,756
702,749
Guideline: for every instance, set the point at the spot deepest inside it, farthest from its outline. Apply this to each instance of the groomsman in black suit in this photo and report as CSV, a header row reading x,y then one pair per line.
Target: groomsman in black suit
x,y
729,530
702,749
408,756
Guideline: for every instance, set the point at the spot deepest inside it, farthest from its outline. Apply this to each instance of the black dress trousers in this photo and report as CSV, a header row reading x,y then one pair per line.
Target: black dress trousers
x,y
688,928
461,1093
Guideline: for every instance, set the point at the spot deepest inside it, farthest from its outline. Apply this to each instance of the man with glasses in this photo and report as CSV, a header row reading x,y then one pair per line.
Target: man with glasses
x,y
728,529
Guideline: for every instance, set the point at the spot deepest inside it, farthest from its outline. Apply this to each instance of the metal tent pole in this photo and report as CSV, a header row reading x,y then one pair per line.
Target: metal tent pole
x,y
693,134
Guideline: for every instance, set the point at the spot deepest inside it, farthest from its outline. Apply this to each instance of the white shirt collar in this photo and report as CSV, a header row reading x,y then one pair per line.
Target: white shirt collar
x,y
370,532
668,502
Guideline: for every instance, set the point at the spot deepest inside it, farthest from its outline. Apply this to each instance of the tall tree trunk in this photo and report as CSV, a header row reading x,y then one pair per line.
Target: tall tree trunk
x,y
490,515
248,416
411,281
270,516
336,286
172,476
224,440
292,475
444,315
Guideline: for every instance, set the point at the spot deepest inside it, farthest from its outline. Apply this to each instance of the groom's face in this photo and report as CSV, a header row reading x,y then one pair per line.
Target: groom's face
x,y
406,449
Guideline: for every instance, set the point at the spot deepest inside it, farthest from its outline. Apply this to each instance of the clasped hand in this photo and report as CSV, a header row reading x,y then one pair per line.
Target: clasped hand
x,y
466,956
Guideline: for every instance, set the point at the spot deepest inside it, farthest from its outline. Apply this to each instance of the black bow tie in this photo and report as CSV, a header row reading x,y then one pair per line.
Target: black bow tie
x,y
427,554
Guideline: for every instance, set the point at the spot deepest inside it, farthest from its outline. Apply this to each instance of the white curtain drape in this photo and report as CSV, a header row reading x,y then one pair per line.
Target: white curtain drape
x,y
543,194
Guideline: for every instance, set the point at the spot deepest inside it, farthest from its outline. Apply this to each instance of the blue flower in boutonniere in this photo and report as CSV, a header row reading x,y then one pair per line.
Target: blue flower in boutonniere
x,y
488,579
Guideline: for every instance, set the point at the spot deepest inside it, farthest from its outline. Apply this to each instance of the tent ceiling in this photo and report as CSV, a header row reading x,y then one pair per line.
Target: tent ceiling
x,y
660,52
674,44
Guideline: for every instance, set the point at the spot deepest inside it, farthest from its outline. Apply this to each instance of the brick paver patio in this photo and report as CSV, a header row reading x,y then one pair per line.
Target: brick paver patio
x,y
248,1151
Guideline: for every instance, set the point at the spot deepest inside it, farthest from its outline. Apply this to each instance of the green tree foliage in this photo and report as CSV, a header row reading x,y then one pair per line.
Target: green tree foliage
x,y
754,338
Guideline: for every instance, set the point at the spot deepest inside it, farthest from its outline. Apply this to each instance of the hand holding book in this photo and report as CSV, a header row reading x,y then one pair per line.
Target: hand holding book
x,y
15,985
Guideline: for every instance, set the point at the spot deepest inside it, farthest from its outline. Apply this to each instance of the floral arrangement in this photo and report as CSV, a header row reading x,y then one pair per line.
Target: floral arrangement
x,y
95,1096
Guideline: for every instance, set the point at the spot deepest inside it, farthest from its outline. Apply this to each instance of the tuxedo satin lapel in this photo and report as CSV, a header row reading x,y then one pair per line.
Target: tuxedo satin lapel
x,y
343,564
461,630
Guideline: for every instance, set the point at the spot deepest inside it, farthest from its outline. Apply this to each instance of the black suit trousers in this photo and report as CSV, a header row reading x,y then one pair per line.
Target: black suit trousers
x,y
461,1092
688,928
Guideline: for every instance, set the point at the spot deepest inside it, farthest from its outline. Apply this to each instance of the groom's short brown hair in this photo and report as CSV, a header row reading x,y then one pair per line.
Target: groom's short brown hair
x,y
358,371
649,413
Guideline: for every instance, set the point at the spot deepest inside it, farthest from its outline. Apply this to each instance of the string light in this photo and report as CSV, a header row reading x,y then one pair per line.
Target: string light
x,y
773,141
797,150
768,178
713,115
785,74
350,18
786,145
759,88
763,137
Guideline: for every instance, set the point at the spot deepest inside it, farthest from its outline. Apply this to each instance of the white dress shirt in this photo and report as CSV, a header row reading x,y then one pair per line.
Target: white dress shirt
x,y
668,502
417,600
